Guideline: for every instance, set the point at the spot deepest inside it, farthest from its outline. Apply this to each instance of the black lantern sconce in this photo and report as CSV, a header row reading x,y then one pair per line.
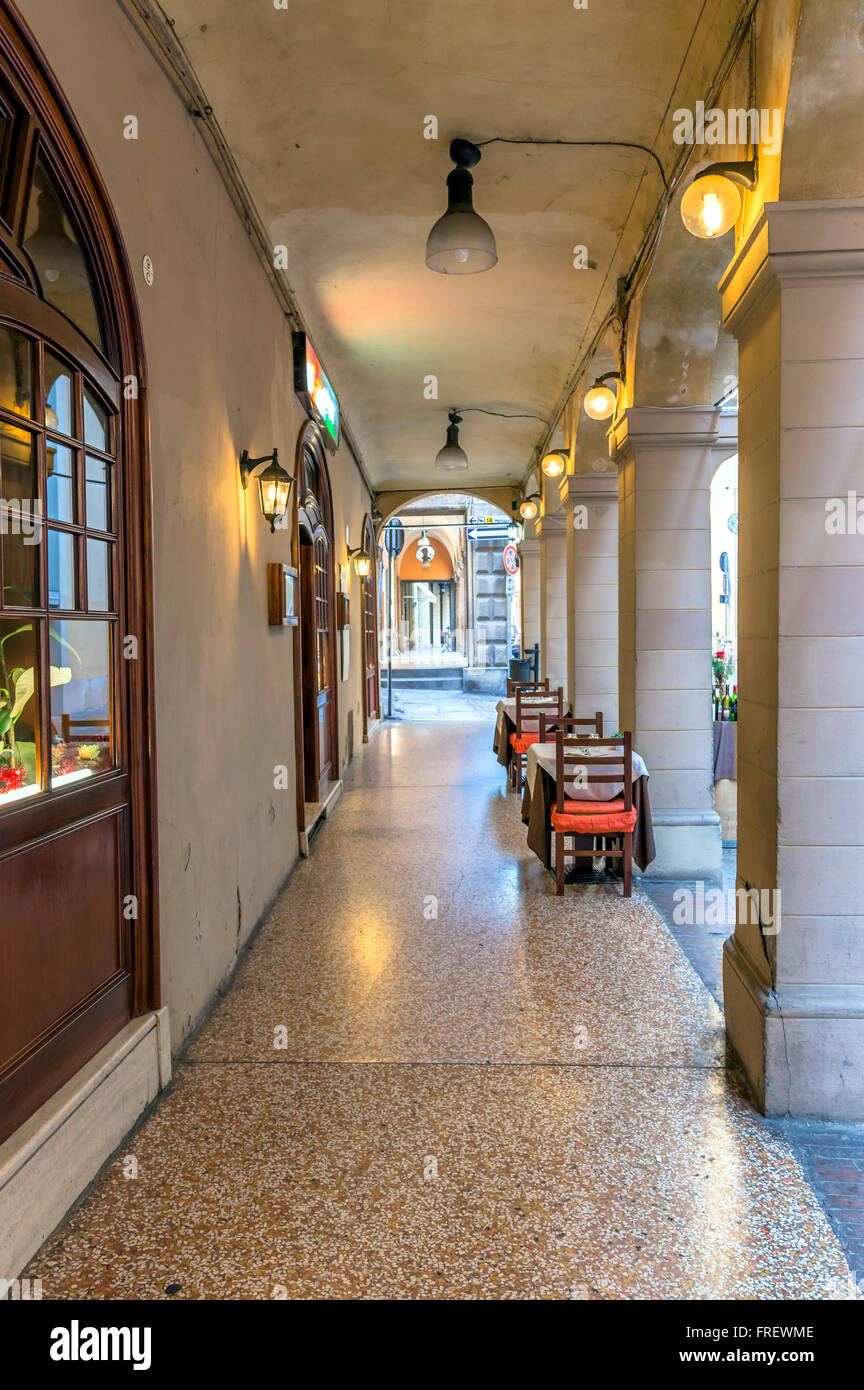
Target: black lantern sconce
x,y
362,561
274,485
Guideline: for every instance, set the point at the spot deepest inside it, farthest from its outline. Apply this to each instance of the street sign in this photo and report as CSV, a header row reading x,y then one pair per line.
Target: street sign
x,y
394,537
511,559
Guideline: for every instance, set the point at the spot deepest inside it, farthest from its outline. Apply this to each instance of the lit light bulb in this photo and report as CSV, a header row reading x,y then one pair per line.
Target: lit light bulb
x,y
528,509
710,206
554,464
462,255
599,402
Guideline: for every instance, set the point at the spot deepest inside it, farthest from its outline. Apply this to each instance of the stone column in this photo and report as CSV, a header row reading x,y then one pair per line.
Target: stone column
x,y
590,504
664,637
553,598
529,579
794,298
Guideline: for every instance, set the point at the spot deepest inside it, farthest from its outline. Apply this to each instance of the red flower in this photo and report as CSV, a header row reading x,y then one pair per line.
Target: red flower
x,y
11,778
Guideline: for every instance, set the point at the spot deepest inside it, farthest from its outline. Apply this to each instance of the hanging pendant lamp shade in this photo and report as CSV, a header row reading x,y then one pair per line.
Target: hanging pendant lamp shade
x,y
452,456
461,243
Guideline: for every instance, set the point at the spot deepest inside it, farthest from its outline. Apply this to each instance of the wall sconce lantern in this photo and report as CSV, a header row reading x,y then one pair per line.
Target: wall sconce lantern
x,y
528,509
461,243
274,485
600,401
362,561
712,203
554,464
515,532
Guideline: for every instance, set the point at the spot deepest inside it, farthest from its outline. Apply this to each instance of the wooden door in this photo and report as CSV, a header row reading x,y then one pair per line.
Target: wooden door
x,y
317,645
371,686
77,930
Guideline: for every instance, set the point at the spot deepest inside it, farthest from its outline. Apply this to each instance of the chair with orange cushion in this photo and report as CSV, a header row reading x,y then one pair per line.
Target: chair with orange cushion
x,y
548,725
541,687
529,706
573,816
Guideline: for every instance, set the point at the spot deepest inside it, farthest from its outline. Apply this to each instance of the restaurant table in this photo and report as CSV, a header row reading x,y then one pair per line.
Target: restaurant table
x,y
724,748
538,800
505,725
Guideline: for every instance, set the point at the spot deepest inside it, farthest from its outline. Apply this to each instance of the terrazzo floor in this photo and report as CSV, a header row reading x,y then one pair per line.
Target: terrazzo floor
x,y
431,1078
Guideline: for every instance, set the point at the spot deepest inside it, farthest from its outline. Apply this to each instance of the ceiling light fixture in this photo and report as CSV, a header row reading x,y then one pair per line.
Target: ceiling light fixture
x,y
452,456
600,400
461,243
711,204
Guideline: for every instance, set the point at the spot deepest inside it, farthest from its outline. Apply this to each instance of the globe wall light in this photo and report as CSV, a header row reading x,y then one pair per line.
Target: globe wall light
x,y
712,203
461,243
554,464
600,401
452,457
274,485
529,508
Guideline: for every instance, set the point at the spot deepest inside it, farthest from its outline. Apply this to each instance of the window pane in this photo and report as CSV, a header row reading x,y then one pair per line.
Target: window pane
x,y
95,422
60,500
56,253
62,586
98,510
20,519
16,372
58,396
82,735
98,577
19,709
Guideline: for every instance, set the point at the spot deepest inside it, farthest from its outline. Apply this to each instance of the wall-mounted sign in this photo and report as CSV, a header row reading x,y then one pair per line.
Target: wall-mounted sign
x,y
733,522
315,391
282,596
394,537
511,559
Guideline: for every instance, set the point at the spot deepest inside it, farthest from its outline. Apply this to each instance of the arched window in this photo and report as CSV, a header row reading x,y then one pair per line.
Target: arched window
x,y
76,774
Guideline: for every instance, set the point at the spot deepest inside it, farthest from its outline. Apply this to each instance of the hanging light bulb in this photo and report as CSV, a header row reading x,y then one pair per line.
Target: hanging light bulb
x,y
425,551
600,401
710,206
461,243
554,464
452,456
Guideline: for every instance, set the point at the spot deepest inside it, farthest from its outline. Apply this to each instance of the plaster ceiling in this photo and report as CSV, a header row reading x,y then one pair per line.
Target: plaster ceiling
x,y
323,106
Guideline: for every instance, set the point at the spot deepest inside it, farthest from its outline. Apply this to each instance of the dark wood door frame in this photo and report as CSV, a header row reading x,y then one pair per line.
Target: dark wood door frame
x,y
369,589
43,117
313,517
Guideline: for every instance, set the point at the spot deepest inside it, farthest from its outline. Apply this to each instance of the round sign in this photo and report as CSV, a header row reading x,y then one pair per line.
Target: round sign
x,y
394,537
733,522
511,559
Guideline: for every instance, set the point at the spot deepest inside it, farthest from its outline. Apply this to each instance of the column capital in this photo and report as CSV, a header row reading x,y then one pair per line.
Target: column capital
x,y
529,545
551,524
794,243
581,489
664,427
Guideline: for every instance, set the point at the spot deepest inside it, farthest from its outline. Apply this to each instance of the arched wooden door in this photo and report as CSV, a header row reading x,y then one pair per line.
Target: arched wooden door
x,y
77,812
317,617
371,684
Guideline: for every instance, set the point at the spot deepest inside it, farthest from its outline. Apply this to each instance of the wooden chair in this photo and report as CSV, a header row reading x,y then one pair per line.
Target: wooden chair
x,y
569,721
615,818
540,686
529,706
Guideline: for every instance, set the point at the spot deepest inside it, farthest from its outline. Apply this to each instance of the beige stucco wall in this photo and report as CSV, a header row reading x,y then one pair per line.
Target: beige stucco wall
x,y
220,380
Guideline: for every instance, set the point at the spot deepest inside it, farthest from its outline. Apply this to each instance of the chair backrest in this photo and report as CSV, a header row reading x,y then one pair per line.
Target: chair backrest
x,y
615,754
532,704
539,686
570,721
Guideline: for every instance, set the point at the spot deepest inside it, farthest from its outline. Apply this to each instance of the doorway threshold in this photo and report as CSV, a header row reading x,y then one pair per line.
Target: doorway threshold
x,y
316,812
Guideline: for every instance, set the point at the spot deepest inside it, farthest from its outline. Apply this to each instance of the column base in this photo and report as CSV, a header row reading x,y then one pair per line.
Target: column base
x,y
689,845
800,1047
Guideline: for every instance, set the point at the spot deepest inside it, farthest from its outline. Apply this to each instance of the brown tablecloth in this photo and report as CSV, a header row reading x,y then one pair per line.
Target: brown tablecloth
x,y
501,743
537,809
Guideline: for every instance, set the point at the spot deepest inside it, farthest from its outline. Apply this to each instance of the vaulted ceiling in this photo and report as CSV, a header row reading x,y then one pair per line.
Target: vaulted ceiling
x,y
323,106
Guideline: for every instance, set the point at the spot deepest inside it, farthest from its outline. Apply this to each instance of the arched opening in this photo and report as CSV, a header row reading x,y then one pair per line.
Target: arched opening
x,y
315,642
77,761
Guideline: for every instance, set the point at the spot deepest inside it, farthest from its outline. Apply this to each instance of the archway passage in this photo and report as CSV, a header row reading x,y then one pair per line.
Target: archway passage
x,y
77,801
319,762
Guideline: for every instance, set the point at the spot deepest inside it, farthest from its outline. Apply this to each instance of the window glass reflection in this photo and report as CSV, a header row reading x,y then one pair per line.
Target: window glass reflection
x,y
57,256
95,423
58,396
16,372
60,496
98,576
20,517
62,585
82,736
98,509
19,709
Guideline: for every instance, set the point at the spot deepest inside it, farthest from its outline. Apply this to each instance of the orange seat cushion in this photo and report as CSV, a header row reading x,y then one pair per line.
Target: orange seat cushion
x,y
521,745
594,817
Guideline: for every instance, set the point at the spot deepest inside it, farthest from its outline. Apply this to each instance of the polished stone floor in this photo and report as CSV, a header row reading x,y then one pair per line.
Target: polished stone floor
x,y
431,1078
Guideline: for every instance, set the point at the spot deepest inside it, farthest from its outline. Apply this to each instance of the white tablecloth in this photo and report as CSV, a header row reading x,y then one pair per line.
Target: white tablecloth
x,y
543,755
508,708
